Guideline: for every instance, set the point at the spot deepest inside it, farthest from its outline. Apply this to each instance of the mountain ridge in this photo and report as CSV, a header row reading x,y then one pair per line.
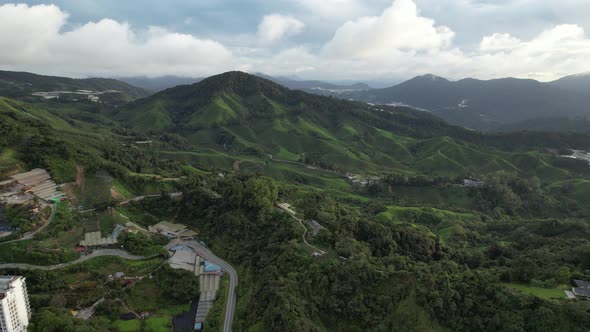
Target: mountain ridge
x,y
22,84
482,104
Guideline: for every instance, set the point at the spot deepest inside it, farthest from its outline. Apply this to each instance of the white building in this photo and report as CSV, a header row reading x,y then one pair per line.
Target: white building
x,y
15,310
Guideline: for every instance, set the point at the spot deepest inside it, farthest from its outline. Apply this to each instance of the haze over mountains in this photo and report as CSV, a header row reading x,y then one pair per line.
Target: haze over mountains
x,y
486,105
505,104
498,104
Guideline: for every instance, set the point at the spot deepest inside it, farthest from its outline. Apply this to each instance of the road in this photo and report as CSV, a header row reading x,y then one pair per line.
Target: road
x,y
97,253
320,251
227,268
31,235
139,198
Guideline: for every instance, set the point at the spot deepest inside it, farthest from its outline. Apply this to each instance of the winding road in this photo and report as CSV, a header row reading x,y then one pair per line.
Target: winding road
x,y
98,253
30,235
318,250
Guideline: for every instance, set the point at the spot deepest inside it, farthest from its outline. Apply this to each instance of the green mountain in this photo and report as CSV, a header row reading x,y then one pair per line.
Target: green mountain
x,y
414,250
236,115
22,85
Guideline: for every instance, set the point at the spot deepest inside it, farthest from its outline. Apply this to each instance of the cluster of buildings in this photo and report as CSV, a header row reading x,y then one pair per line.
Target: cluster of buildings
x,y
95,239
472,183
31,190
92,96
209,274
361,180
15,310
22,188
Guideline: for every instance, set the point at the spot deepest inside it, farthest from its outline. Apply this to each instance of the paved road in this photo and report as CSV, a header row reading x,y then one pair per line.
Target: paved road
x,y
31,235
139,198
233,278
97,253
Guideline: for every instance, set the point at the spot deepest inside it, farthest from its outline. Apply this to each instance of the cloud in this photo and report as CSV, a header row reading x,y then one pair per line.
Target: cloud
x,y
34,37
399,28
275,27
333,8
499,42
558,51
401,41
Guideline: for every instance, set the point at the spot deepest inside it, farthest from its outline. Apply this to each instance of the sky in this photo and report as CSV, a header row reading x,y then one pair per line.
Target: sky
x,y
334,40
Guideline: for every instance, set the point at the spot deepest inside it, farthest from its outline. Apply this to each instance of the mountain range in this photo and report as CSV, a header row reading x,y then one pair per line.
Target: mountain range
x,y
157,84
486,105
23,85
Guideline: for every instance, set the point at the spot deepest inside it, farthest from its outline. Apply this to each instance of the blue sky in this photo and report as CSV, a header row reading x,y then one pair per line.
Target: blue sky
x,y
328,39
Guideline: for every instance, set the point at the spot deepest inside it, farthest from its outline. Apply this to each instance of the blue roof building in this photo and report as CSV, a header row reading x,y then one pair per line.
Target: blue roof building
x,y
211,268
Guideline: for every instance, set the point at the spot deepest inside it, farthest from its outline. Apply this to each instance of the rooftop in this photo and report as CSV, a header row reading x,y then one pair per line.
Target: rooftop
x,y
6,281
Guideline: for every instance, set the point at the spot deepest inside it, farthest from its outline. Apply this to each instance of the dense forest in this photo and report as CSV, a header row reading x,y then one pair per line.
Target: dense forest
x,y
453,229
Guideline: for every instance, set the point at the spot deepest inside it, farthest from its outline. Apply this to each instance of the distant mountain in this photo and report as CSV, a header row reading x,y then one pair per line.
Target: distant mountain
x,y
157,84
316,87
555,124
578,83
23,84
478,104
237,114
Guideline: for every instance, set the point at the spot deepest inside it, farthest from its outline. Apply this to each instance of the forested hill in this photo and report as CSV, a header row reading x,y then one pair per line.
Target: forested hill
x,y
22,84
249,115
485,105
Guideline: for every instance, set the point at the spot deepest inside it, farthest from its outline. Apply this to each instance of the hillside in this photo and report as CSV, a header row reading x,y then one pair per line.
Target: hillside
x,y
234,116
479,104
578,83
315,86
22,85
402,249
157,84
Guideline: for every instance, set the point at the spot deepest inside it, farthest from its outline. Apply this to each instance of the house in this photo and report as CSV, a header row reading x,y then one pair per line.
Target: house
x,y
80,249
472,183
582,289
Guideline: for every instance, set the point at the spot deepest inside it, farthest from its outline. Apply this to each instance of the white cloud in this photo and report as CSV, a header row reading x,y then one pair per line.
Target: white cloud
x,y
499,42
399,28
275,27
32,37
401,41
555,52
333,8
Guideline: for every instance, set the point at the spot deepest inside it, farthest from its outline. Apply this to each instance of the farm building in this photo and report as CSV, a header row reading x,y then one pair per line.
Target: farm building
x,y
7,184
285,207
38,182
582,289
94,239
171,230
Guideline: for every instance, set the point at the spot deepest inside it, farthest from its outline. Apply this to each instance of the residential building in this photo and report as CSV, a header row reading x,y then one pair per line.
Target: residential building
x,y
15,310
582,289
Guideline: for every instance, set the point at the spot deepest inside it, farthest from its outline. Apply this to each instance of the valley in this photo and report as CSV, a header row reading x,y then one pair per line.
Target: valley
x,y
396,217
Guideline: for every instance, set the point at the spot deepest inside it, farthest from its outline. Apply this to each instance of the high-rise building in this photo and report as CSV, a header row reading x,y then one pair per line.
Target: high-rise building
x,y
15,310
